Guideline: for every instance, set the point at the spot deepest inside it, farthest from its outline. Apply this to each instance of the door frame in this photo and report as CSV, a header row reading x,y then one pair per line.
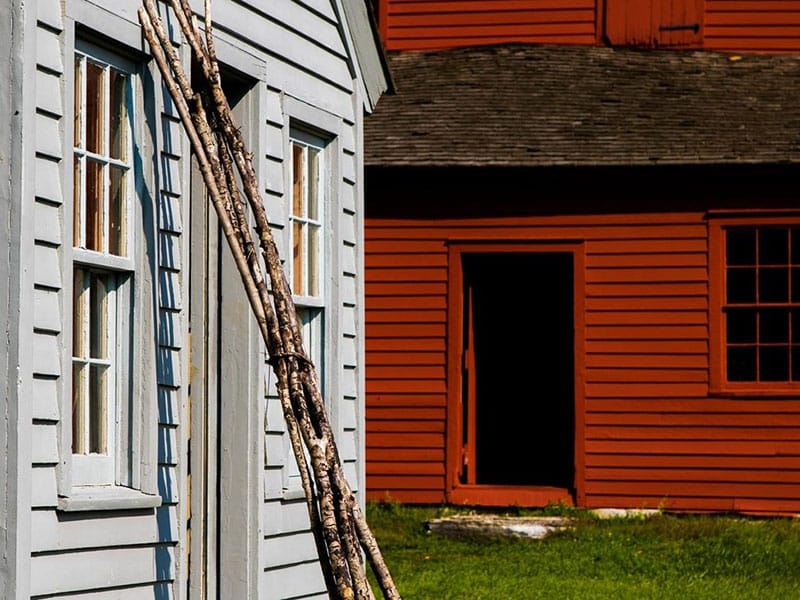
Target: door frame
x,y
226,407
506,495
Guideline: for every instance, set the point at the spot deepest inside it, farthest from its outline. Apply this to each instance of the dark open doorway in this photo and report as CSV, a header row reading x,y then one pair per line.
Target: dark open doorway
x,y
519,377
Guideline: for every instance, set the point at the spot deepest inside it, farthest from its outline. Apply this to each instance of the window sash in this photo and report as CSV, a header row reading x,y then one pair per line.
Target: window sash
x,y
742,327
756,296
307,174
103,195
94,152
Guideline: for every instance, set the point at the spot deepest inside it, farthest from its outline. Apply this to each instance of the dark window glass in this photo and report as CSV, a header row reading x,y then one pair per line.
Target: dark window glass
x,y
795,363
741,325
741,286
796,246
796,285
762,270
741,247
774,363
773,247
773,285
796,325
773,326
742,364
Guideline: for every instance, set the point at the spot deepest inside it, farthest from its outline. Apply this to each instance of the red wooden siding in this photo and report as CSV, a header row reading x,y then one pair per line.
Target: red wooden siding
x,y
653,435
432,24
732,25
654,23
753,25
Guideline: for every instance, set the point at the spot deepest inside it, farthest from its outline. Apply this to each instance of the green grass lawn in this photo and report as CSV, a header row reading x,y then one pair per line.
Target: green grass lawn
x,y
667,556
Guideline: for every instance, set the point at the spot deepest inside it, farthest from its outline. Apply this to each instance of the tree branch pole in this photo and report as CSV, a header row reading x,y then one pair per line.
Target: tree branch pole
x,y
339,527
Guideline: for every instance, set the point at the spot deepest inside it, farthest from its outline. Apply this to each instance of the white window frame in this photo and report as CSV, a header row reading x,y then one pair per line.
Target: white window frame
x,y
311,308
103,468
307,142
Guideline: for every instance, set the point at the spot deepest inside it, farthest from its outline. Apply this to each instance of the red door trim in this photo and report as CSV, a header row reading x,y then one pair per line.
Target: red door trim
x,y
459,493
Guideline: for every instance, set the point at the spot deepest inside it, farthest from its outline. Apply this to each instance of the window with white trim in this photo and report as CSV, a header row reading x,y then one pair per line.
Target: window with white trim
x,y
307,239
103,264
306,272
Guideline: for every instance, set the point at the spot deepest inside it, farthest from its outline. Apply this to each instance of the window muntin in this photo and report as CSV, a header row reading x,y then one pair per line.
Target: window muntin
x,y
102,267
101,157
761,305
306,218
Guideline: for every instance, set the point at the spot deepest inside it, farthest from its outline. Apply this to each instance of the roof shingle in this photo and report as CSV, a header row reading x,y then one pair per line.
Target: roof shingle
x,y
526,105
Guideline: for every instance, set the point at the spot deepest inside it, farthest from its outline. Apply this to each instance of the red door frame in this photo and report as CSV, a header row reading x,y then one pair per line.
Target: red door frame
x,y
495,495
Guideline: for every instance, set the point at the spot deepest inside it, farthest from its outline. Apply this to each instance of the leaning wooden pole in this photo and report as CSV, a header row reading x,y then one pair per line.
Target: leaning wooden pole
x,y
340,529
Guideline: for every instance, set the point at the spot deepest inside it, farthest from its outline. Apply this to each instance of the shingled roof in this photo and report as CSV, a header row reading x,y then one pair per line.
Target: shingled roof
x,y
522,105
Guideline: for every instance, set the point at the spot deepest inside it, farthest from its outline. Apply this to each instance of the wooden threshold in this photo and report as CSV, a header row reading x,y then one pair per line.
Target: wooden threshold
x,y
510,495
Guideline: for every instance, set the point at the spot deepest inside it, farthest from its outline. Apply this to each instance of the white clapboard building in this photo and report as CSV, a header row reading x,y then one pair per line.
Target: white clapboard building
x,y
142,451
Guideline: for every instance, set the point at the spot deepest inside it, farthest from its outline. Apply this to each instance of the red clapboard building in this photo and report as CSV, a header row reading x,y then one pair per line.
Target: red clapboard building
x,y
583,261
740,25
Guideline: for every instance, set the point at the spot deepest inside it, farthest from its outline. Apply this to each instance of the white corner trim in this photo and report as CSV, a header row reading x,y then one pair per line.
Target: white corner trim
x,y
106,497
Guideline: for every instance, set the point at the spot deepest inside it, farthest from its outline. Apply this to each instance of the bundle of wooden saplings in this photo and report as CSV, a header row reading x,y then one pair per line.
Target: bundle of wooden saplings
x,y
339,527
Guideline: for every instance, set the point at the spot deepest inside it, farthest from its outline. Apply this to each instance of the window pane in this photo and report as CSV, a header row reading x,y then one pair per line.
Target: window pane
x,y
773,363
741,325
116,211
741,285
796,246
740,247
94,108
312,322
117,115
795,363
796,285
773,325
313,183
77,99
78,313
77,185
298,258
773,247
314,234
796,325
742,364
93,219
98,396
98,316
78,408
773,285
297,181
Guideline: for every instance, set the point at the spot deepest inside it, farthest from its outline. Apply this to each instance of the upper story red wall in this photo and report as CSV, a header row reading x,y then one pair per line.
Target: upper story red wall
x,y
431,24
735,25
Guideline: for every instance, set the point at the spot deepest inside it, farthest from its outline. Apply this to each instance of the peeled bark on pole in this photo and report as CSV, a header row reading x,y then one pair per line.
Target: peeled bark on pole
x,y
339,527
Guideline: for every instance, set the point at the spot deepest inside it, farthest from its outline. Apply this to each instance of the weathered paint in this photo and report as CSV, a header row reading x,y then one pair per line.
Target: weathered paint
x,y
649,429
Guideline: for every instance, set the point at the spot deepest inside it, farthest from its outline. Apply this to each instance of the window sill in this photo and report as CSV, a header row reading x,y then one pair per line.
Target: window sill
x,y
106,497
751,392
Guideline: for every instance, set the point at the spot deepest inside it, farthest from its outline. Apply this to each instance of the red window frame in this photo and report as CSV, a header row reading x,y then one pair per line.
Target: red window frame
x,y
718,269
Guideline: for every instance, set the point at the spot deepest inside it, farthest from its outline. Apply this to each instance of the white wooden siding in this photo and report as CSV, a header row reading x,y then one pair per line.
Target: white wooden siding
x,y
101,568
124,554
87,552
